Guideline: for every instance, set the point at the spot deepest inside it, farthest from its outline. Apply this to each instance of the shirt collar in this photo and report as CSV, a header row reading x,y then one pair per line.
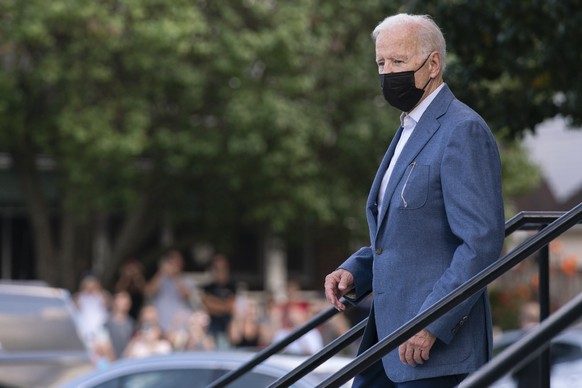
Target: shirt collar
x,y
407,122
417,112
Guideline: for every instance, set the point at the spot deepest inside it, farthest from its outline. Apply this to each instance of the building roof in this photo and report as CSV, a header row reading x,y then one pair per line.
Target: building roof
x,y
557,149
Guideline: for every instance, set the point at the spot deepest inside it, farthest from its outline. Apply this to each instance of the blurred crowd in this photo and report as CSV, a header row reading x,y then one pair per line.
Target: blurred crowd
x,y
169,312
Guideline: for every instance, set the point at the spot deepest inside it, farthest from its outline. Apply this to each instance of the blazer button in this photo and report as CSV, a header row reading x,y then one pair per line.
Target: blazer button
x,y
378,251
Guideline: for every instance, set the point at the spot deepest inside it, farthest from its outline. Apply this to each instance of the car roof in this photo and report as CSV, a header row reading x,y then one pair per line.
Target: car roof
x,y
37,318
39,339
276,365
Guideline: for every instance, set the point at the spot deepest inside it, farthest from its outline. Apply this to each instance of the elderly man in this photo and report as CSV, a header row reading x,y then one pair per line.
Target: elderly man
x,y
435,215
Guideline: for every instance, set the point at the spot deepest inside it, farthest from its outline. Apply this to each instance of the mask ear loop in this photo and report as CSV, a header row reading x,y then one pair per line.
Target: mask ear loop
x,y
423,63
421,66
426,84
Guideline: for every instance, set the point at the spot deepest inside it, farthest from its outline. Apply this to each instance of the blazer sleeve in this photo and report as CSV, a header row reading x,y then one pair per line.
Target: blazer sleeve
x,y
471,186
360,266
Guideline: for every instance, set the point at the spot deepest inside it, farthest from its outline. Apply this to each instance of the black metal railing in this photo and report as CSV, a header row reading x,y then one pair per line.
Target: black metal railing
x,y
273,349
478,282
522,221
528,348
323,355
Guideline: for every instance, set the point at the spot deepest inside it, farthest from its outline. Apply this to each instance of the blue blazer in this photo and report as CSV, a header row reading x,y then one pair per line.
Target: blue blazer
x,y
442,223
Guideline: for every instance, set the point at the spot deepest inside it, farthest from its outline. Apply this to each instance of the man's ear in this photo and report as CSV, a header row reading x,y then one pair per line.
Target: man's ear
x,y
434,63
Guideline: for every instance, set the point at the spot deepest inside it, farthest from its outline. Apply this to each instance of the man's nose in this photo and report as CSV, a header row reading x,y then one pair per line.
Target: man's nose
x,y
387,69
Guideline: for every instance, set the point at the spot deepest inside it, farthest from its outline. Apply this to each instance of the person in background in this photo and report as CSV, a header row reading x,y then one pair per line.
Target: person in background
x,y
198,337
435,218
334,327
271,317
246,329
169,290
218,299
120,326
278,308
148,315
92,302
149,339
295,298
308,344
132,281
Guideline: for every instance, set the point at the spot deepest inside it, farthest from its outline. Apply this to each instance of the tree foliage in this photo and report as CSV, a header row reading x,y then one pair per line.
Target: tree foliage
x,y
255,113
212,115
516,62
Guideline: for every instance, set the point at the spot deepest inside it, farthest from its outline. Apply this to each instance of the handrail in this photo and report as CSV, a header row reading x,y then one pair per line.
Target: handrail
x,y
478,282
521,221
524,220
275,347
320,357
528,347
530,220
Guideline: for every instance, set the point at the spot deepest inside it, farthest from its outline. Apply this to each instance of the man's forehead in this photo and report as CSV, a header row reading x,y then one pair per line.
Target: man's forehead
x,y
394,42
397,37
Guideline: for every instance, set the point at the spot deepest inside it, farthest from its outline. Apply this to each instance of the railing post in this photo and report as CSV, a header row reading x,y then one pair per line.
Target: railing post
x,y
544,295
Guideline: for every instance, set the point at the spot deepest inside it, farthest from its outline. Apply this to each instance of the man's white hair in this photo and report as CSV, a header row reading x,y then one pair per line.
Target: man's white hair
x,y
429,34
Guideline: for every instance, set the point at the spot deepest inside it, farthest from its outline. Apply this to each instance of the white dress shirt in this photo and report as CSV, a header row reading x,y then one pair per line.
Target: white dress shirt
x,y
408,123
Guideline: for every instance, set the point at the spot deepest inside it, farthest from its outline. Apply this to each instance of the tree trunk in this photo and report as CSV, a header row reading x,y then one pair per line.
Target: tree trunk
x,y
138,224
66,258
29,182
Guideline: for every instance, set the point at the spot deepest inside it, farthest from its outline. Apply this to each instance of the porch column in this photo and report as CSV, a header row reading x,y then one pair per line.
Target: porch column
x,y
275,268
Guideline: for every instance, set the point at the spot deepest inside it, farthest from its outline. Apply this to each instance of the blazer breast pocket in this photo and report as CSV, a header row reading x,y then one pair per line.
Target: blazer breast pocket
x,y
414,191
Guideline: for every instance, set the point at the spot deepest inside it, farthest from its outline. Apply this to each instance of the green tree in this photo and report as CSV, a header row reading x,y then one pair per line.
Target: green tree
x,y
91,84
516,62
219,113
212,115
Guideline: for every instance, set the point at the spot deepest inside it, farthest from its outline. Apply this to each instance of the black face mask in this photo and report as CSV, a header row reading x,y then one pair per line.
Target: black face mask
x,y
400,90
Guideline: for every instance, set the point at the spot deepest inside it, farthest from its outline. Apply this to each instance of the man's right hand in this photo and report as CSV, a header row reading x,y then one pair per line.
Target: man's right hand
x,y
337,284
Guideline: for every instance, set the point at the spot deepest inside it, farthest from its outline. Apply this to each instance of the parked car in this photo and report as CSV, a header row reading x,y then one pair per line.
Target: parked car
x,y
567,375
39,342
565,359
198,369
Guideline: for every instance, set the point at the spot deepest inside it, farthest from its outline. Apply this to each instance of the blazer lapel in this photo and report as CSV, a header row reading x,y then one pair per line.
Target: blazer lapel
x,y
422,133
372,203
